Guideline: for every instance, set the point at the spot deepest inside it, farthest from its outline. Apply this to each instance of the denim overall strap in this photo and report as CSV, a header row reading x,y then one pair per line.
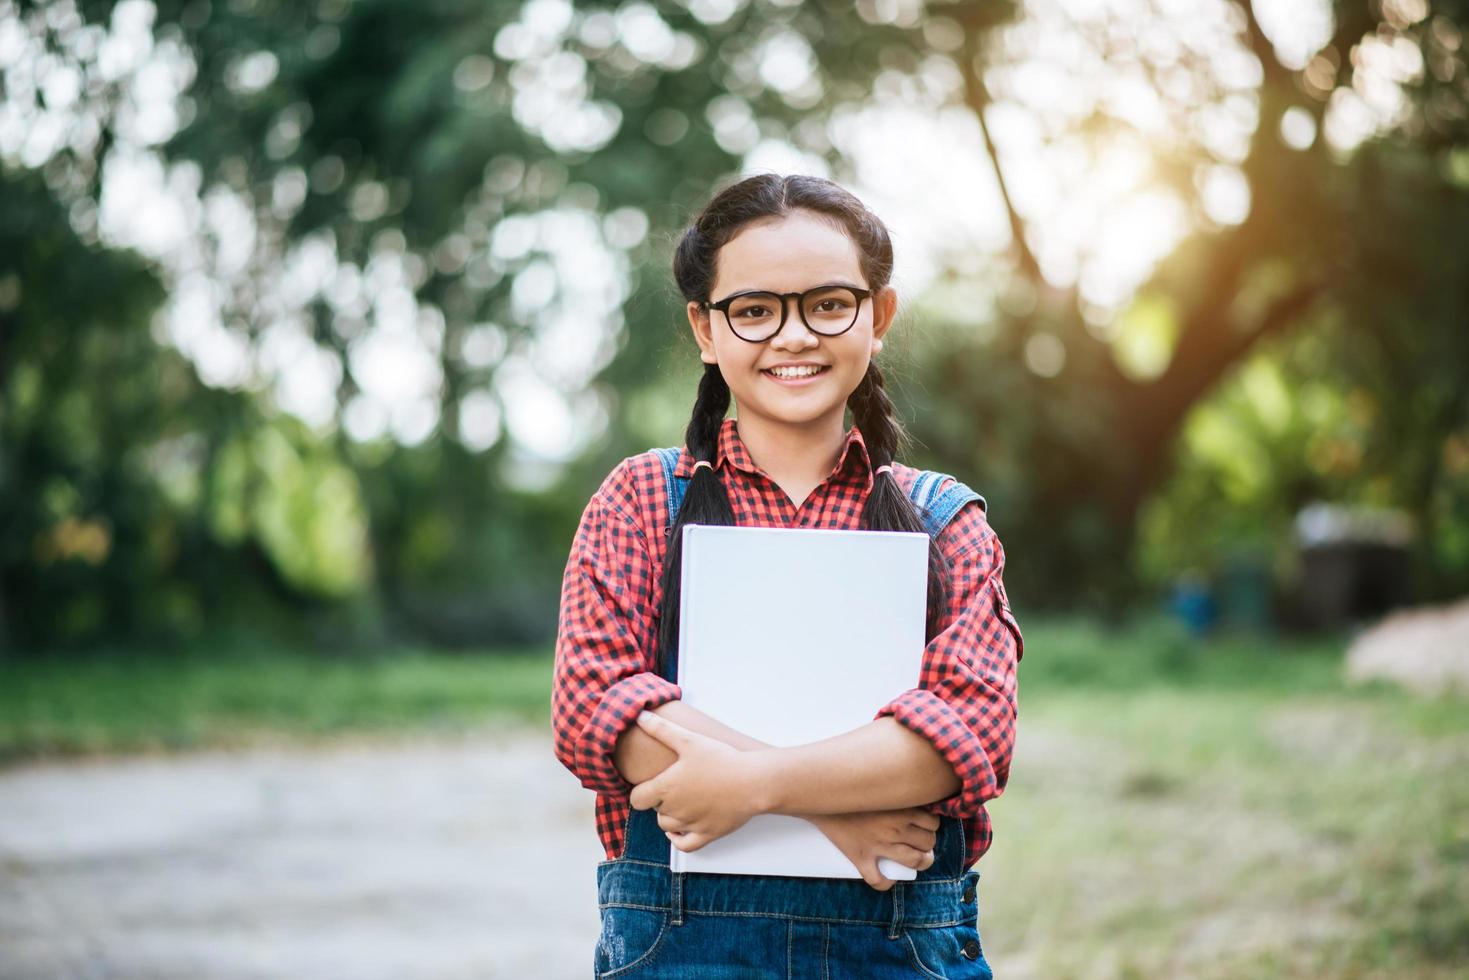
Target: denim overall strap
x,y
939,508
677,486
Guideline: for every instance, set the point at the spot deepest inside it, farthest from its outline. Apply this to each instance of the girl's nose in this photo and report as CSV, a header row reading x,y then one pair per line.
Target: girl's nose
x,y
794,335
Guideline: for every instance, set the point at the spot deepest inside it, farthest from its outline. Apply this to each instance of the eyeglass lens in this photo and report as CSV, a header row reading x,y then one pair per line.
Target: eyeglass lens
x,y
829,310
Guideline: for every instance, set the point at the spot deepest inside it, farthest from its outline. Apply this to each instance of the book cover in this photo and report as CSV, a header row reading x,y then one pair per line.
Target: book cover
x,y
794,635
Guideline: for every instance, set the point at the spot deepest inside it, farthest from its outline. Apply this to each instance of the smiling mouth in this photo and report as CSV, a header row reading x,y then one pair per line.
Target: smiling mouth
x,y
797,377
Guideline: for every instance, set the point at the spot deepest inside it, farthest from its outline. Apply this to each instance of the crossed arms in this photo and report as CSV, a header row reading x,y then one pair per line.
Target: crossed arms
x,y
707,779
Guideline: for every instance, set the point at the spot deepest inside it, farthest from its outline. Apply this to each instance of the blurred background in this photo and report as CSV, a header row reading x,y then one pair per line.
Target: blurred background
x,y
321,321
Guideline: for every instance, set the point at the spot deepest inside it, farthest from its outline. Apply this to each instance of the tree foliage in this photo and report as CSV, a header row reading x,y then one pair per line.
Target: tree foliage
x,y
380,169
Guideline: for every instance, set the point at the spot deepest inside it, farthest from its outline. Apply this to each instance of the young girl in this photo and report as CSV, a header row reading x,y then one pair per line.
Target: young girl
x,y
787,282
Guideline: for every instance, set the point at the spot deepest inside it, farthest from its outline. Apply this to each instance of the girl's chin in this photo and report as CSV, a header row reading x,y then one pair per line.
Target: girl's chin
x,y
802,413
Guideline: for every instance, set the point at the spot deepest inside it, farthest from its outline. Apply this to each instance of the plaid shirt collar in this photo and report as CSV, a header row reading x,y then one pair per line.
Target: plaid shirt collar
x,y
732,452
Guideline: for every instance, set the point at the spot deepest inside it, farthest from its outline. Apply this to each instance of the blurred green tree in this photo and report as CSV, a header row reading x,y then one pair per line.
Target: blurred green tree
x,y
1370,405
138,500
1361,247
419,160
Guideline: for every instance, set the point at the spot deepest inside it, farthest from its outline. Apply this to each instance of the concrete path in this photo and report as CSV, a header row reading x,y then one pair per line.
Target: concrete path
x,y
470,857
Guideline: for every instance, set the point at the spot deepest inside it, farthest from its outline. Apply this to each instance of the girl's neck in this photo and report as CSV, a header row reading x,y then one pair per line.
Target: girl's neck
x,y
791,453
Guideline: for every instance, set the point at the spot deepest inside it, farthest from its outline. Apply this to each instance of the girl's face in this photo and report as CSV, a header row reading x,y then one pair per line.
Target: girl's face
x,y
787,255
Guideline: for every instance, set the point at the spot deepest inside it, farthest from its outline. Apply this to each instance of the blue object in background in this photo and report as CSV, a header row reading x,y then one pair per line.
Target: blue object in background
x,y
1193,603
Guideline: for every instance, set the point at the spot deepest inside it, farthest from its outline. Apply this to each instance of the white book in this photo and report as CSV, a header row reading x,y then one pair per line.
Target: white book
x,y
792,636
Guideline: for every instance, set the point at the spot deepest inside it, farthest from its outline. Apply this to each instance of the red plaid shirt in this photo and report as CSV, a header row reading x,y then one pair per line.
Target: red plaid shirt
x,y
965,703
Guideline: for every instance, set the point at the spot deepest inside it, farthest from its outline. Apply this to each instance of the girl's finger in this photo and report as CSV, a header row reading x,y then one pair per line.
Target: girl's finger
x,y
646,795
908,857
926,820
668,822
874,877
923,840
670,733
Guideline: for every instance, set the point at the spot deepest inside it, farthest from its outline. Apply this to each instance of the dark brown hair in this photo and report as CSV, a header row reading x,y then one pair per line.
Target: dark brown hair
x,y
694,262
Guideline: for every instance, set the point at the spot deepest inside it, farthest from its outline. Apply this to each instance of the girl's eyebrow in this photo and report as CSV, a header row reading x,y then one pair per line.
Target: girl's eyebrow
x,y
819,285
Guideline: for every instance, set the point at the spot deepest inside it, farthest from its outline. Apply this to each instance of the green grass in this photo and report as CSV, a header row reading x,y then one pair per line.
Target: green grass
x,y
1177,808
1225,809
122,701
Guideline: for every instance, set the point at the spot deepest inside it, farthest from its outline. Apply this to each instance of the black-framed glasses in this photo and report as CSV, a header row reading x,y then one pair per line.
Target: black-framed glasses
x,y
758,315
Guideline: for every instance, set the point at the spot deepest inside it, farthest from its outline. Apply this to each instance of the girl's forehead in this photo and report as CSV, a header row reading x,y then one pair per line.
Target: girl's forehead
x,y
786,254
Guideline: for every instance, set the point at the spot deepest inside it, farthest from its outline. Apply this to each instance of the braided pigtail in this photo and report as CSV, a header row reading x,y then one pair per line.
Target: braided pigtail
x,y
705,502
888,508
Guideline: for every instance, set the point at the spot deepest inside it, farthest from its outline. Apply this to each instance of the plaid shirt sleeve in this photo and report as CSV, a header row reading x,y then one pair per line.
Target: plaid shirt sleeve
x,y
604,640
965,703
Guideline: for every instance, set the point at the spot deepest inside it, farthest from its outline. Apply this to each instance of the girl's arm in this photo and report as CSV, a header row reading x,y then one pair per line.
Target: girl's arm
x,y
601,675
639,756
880,766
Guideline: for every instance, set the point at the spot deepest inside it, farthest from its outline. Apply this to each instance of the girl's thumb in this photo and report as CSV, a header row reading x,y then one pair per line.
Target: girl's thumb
x,y
660,728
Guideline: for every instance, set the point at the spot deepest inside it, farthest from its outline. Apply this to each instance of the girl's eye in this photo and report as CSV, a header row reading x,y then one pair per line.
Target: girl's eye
x,y
830,306
755,311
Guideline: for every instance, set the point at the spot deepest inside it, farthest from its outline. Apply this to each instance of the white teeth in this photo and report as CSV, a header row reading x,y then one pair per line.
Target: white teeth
x,y
796,372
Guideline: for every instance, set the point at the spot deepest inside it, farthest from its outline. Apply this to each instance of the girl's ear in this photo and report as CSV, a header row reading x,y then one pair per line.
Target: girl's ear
x,y
884,310
703,333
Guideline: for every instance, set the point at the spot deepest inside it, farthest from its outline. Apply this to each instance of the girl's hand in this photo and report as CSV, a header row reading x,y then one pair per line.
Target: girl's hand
x,y
710,791
906,836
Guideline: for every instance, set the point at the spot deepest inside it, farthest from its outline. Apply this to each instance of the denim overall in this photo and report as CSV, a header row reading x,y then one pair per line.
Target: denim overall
x,y
656,923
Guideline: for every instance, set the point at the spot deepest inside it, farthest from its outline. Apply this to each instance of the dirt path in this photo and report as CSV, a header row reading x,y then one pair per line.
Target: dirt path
x,y
448,858
472,857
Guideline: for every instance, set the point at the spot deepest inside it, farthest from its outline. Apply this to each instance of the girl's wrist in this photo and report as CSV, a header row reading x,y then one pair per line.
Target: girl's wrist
x,y
764,782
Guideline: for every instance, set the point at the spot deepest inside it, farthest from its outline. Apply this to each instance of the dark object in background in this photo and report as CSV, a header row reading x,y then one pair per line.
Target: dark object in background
x,y
1355,564
1244,592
